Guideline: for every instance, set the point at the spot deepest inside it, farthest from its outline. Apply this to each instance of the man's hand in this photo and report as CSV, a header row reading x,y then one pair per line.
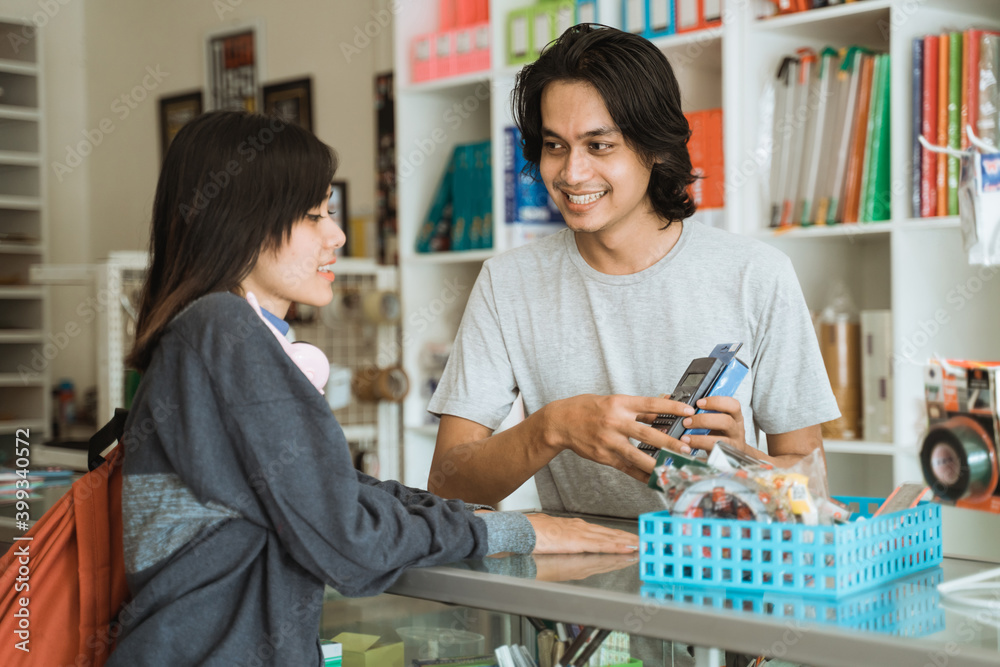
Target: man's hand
x,y
598,428
725,423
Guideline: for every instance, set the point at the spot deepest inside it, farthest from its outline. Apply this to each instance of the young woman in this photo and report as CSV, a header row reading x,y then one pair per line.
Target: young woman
x,y
239,498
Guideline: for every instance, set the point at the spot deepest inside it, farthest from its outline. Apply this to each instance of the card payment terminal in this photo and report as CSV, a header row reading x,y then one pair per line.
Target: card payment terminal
x,y
718,374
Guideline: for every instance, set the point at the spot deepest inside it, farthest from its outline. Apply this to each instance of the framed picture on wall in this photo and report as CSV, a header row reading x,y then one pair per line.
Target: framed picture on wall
x,y
234,68
175,112
291,101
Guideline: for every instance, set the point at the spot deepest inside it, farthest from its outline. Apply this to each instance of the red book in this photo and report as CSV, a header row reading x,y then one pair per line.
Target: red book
x,y
942,136
465,12
446,15
928,128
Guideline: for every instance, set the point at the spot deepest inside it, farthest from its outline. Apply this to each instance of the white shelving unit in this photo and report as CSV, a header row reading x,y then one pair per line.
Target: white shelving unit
x,y
913,267
25,350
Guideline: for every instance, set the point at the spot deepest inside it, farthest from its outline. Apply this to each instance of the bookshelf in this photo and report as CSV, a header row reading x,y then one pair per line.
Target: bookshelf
x,y
911,266
25,347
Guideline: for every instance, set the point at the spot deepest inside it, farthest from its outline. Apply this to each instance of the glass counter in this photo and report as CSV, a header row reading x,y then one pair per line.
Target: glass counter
x,y
903,622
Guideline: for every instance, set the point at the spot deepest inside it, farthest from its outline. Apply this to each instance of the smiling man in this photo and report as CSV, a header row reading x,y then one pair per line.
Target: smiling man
x,y
593,324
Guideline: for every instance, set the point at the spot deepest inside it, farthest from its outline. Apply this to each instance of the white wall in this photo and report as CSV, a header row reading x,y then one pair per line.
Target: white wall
x,y
301,37
96,51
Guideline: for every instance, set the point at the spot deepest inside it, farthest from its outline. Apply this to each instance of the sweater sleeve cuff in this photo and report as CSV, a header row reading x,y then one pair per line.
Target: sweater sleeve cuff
x,y
472,507
508,532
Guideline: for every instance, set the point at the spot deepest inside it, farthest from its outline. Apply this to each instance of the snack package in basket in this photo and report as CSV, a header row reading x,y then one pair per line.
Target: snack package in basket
x,y
732,485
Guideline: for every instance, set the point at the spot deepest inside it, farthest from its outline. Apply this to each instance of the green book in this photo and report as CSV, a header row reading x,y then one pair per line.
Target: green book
x,y
954,116
461,184
878,72
438,220
881,197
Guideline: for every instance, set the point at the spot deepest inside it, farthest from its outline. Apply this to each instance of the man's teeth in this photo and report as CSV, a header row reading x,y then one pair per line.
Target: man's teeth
x,y
586,199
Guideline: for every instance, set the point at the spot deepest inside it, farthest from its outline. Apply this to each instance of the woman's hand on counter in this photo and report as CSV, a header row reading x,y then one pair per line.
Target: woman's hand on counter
x,y
558,535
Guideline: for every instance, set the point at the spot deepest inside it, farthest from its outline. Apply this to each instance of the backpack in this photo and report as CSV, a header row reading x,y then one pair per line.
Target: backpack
x,y
62,585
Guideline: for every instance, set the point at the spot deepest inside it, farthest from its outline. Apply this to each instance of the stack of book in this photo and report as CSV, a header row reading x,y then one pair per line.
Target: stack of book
x,y
954,87
461,213
656,18
461,43
17,485
705,148
529,211
793,6
830,138
532,27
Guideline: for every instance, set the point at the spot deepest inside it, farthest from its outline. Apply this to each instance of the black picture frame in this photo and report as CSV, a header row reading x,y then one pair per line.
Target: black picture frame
x,y
175,112
340,211
291,101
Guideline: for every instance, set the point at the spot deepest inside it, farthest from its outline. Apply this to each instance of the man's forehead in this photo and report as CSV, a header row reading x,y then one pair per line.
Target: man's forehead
x,y
600,125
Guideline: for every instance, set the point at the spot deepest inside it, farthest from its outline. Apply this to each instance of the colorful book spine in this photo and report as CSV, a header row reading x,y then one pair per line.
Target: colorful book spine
x,y
818,132
663,17
525,200
878,199
852,187
462,189
705,151
954,116
965,85
687,12
916,110
865,191
942,139
929,118
435,232
851,68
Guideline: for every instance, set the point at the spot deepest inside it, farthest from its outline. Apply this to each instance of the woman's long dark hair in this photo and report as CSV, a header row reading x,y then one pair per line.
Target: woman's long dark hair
x,y
232,185
640,92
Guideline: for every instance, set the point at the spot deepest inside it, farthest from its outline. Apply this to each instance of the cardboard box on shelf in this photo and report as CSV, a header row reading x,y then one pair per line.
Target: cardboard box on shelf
x,y
369,651
840,345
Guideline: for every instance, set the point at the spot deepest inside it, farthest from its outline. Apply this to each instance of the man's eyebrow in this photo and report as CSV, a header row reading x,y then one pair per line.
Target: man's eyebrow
x,y
596,132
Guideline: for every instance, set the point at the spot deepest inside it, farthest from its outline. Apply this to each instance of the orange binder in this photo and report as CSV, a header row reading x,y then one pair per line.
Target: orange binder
x,y
942,137
852,192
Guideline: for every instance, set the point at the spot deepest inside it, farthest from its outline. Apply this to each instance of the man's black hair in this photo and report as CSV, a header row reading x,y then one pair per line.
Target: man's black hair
x,y
640,92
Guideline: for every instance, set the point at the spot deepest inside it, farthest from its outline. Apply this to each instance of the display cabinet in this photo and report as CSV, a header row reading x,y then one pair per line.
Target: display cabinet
x,y
914,267
27,345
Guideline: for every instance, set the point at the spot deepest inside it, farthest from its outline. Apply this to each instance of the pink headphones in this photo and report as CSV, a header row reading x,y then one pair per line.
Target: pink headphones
x,y
309,358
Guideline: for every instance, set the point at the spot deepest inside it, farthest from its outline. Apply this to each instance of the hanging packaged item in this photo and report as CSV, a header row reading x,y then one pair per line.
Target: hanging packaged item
x,y
978,198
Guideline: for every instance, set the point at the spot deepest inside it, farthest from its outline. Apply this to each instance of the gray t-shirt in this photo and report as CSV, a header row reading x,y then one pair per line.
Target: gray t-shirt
x,y
543,322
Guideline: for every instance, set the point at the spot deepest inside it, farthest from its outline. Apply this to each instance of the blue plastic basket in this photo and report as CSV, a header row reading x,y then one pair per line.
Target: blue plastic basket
x,y
827,561
907,607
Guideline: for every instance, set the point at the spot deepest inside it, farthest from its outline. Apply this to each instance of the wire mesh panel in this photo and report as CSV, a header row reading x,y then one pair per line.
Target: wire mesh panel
x,y
347,339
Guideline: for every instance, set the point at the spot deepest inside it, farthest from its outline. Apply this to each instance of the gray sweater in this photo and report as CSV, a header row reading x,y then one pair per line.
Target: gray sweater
x,y
240,502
